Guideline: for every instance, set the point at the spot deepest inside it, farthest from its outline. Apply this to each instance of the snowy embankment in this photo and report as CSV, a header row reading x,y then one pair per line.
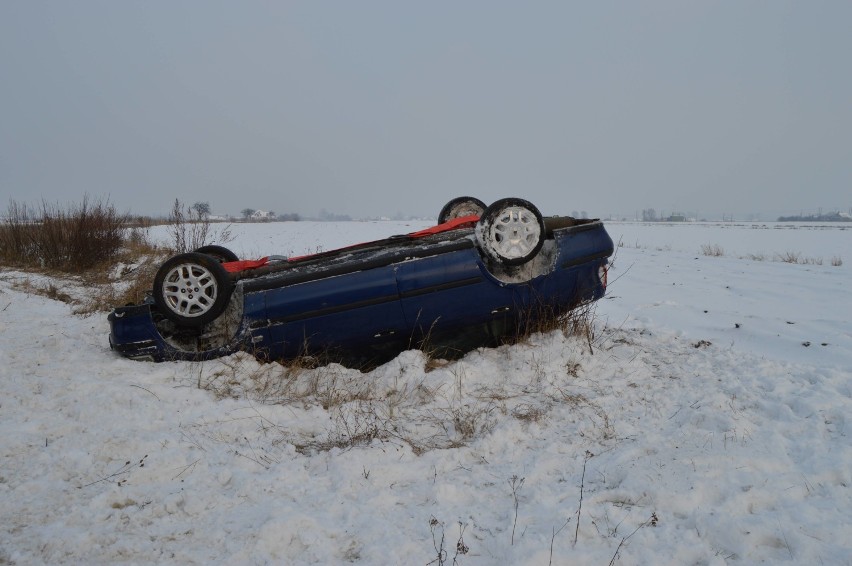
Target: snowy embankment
x,y
707,424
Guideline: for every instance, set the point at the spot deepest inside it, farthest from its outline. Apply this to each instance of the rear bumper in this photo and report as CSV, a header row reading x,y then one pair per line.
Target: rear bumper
x,y
134,335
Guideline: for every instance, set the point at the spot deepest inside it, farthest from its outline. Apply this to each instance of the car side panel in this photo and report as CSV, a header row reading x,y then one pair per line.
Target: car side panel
x,y
581,252
443,294
582,244
355,310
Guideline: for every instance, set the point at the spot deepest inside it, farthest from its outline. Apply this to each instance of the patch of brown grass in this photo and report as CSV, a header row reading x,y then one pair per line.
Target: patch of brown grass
x,y
94,258
69,239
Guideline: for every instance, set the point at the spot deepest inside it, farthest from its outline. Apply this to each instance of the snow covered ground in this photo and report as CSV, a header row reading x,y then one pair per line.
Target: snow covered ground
x,y
707,424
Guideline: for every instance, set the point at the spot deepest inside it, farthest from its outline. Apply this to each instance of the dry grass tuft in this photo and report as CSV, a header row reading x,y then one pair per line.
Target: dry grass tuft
x,y
797,258
529,412
712,250
543,318
788,257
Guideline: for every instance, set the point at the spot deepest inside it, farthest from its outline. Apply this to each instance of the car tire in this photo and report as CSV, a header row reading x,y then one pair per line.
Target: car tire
x,y
459,207
221,253
192,289
510,231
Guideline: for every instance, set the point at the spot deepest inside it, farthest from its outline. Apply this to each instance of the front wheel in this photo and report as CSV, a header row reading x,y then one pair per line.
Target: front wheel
x,y
459,207
192,289
510,231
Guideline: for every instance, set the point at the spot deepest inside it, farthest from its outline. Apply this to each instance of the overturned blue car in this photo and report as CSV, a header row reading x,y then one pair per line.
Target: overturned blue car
x,y
483,275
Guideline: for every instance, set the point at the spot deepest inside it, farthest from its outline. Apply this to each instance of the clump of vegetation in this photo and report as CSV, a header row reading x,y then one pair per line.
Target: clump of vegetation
x,y
797,258
788,257
794,258
97,258
542,318
90,245
189,227
70,239
712,250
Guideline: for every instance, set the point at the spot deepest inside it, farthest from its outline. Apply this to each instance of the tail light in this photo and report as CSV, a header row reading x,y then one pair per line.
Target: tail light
x,y
602,274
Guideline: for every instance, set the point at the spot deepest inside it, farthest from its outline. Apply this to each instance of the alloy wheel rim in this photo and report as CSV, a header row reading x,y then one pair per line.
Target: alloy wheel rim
x,y
515,232
190,290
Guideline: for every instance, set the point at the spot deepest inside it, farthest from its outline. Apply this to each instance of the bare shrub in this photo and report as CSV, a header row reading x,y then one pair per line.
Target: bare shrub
x,y
712,250
96,258
17,234
67,239
836,261
189,228
755,257
788,257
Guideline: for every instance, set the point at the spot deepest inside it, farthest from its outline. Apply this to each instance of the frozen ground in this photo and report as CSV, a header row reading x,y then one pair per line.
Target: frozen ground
x,y
709,425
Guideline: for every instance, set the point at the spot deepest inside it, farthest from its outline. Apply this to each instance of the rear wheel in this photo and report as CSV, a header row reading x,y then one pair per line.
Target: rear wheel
x,y
510,231
192,289
459,207
220,253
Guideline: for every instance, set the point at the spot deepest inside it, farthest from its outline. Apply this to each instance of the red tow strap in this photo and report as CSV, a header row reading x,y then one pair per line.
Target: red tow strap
x,y
462,222
447,226
242,265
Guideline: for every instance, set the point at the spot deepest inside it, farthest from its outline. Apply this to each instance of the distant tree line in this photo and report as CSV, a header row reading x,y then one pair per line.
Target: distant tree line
x,y
252,215
650,215
836,216
327,216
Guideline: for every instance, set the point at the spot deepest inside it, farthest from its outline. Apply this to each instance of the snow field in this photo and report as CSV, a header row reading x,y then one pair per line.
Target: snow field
x,y
722,424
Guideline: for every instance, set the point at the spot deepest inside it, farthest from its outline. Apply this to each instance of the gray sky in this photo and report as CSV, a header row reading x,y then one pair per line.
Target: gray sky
x,y
378,108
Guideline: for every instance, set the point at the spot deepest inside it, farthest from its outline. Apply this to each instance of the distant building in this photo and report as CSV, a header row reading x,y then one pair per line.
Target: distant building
x,y
260,215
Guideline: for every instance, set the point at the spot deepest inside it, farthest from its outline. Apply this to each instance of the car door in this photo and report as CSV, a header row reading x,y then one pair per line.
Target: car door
x,y
449,296
355,311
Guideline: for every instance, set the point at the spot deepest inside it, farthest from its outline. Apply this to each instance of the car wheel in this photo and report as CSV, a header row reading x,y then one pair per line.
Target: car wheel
x,y
220,253
192,289
459,207
510,231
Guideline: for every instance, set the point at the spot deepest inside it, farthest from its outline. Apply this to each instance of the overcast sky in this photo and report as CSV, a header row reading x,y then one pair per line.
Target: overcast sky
x,y
378,108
